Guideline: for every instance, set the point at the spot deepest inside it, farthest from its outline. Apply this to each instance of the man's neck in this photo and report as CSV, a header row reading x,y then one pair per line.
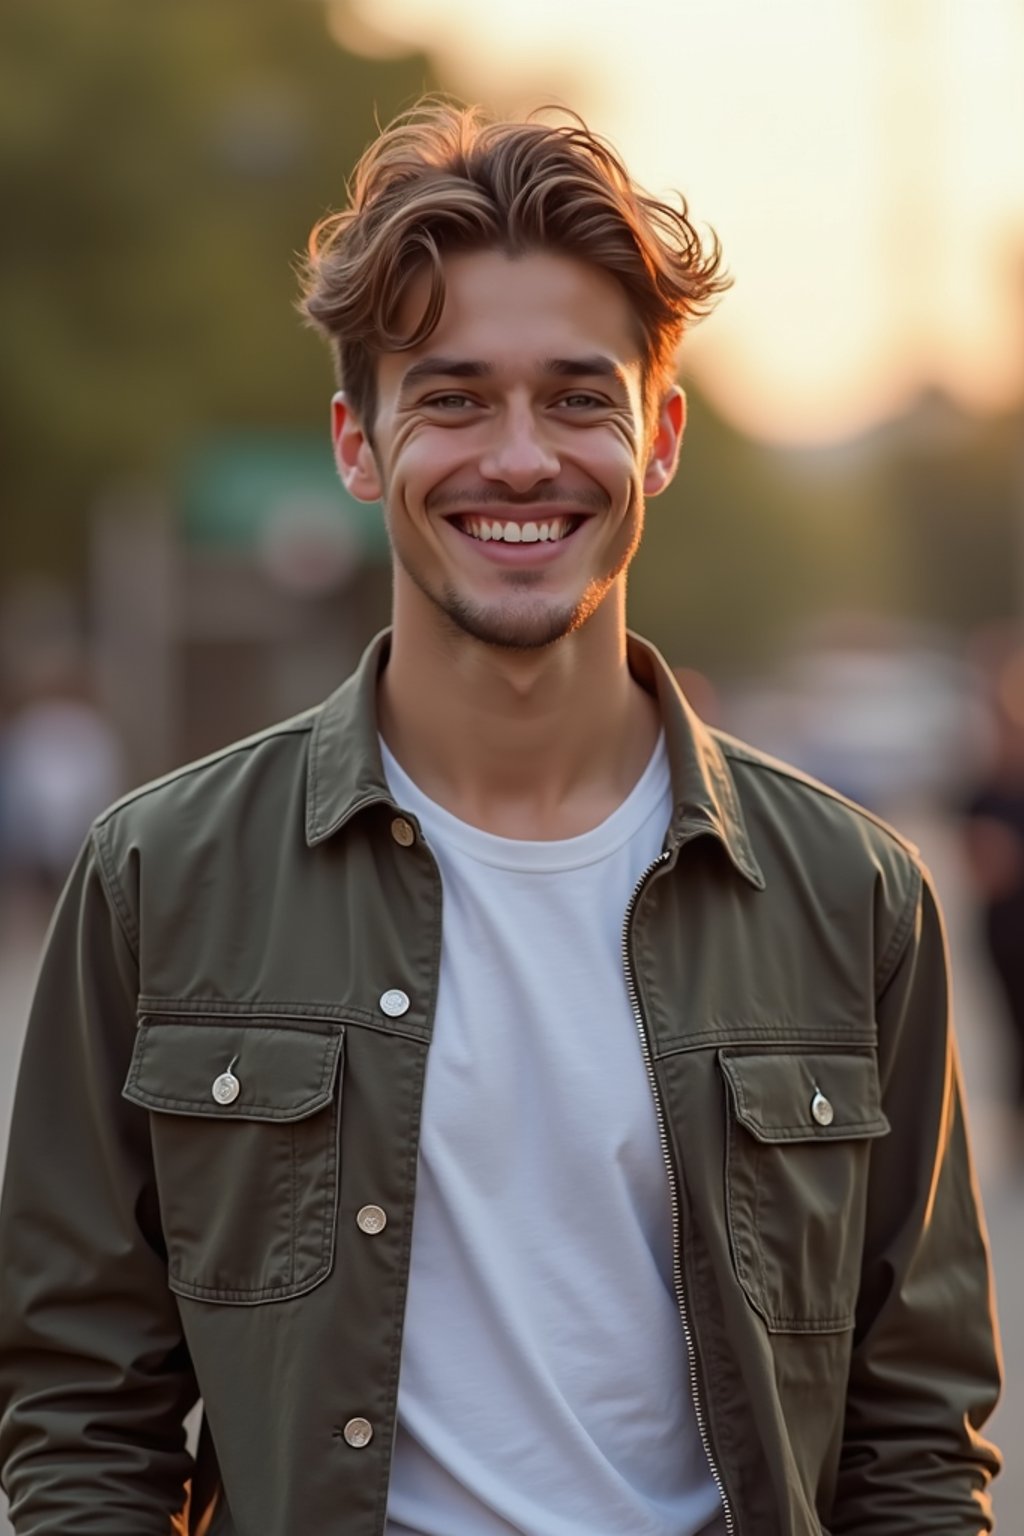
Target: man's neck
x,y
540,744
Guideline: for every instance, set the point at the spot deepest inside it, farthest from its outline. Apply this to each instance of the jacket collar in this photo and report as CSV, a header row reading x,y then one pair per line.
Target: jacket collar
x,y
345,773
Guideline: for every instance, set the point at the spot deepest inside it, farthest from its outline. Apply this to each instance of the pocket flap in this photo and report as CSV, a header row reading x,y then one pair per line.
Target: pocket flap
x,y
801,1096
281,1072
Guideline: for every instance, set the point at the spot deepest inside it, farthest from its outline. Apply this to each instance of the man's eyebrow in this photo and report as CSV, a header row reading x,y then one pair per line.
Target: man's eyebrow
x,y
597,365
444,368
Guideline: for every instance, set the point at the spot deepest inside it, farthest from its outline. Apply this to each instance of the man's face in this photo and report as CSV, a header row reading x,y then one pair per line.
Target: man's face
x,y
510,448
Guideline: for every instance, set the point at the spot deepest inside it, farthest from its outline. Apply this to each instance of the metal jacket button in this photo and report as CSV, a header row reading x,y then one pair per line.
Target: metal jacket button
x,y
394,1003
371,1220
402,832
358,1432
226,1088
821,1109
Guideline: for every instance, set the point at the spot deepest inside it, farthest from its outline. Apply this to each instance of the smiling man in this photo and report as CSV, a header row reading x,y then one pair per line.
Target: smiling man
x,y
514,1108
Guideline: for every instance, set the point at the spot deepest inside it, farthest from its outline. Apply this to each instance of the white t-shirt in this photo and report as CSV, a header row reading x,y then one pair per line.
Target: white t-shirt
x,y
544,1386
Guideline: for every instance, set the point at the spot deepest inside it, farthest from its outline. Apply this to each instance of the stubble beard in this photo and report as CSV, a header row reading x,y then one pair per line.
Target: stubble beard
x,y
517,622
515,626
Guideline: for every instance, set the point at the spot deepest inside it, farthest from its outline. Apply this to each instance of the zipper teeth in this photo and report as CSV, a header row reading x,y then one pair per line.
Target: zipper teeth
x,y
677,1265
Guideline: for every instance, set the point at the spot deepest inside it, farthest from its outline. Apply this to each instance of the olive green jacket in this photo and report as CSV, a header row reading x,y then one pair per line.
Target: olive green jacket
x,y
270,919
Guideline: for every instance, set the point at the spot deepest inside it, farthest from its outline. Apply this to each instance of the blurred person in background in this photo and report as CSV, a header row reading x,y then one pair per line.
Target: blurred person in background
x,y
994,836
60,764
511,1105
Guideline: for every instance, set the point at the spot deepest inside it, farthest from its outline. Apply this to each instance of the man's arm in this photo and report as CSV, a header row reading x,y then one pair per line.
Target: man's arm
x,y
925,1371
94,1374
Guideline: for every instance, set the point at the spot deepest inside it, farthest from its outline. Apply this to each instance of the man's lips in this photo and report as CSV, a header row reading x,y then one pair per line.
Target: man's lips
x,y
576,504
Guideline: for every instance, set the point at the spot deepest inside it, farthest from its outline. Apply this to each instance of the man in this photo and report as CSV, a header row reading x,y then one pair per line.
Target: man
x,y
510,1106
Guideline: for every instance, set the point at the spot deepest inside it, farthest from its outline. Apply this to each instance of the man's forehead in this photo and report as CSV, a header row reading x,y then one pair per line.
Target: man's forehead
x,y
546,302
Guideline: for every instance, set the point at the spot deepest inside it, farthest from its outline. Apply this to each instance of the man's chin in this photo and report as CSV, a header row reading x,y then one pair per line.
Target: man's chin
x,y
526,628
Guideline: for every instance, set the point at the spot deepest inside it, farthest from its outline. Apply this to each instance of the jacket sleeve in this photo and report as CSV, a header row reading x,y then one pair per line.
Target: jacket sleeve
x,y
925,1371
94,1375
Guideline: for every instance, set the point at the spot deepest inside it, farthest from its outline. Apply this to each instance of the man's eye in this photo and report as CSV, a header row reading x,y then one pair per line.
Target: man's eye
x,y
581,400
450,401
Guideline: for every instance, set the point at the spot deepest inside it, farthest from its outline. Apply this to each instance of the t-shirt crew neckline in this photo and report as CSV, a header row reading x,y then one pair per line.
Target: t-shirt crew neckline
x,y
545,857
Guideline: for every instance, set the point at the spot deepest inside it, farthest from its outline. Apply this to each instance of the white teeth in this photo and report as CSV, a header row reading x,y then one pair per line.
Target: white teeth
x,y
517,533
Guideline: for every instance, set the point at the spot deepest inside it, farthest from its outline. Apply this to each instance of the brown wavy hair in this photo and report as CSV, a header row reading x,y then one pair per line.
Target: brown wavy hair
x,y
443,178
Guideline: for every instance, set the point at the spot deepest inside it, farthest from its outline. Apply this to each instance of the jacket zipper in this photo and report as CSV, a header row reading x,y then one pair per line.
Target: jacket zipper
x,y
677,1264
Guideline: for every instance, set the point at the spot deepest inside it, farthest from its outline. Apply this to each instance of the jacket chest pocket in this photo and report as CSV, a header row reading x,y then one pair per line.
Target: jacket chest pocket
x,y
244,1121
799,1139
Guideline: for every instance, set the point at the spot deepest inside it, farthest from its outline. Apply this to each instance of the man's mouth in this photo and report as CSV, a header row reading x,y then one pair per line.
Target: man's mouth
x,y
543,531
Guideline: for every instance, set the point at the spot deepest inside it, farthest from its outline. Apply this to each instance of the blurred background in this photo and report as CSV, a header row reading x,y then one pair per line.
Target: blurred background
x,y
838,572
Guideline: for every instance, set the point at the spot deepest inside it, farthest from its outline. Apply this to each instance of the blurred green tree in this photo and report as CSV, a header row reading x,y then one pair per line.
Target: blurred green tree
x,y
749,542
160,165
958,483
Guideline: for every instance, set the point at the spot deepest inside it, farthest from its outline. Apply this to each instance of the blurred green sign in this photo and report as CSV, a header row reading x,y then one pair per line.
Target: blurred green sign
x,y
261,493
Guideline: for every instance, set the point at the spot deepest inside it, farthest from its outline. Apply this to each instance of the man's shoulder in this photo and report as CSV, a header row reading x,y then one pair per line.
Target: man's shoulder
x,y
784,787
254,769
808,831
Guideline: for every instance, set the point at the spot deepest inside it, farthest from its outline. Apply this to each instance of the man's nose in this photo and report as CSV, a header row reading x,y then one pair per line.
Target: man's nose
x,y
519,454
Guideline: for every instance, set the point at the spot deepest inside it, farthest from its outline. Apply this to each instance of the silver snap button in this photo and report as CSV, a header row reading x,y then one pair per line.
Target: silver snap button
x,y
402,832
358,1432
226,1088
821,1109
371,1220
394,1003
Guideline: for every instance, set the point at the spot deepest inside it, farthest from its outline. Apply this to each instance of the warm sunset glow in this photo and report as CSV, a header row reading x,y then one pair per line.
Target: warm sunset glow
x,y
861,160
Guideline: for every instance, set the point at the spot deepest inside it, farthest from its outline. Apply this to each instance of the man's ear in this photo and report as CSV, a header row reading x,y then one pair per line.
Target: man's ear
x,y
663,457
353,452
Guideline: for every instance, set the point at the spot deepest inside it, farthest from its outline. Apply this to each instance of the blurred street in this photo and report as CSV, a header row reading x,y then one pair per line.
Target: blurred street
x,y
981,1042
